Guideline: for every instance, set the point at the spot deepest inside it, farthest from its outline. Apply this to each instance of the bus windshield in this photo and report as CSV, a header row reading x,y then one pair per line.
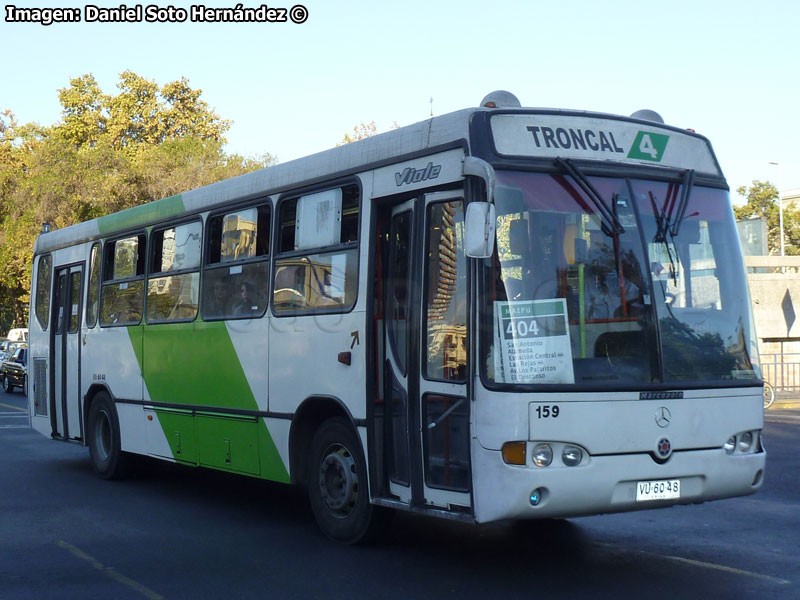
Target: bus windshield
x,y
639,284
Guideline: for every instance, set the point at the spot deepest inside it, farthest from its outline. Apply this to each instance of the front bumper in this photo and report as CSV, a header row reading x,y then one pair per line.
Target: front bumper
x,y
607,484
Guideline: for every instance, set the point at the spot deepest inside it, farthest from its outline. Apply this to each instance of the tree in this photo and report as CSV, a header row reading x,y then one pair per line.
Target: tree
x,y
107,153
84,112
362,131
762,201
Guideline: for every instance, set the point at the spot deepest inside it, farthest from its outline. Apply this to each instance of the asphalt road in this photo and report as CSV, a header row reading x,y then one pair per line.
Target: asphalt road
x,y
173,532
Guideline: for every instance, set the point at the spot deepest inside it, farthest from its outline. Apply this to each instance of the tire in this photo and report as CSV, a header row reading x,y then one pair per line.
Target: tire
x,y
337,484
7,387
25,385
105,451
769,395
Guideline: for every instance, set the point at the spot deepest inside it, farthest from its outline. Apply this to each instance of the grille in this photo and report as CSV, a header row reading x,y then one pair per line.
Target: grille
x,y
40,386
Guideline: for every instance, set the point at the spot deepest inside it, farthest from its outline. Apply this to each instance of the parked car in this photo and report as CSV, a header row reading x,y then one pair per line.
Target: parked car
x,y
8,347
14,371
19,334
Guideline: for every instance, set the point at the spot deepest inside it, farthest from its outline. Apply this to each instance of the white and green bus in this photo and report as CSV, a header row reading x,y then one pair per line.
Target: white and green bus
x,y
498,313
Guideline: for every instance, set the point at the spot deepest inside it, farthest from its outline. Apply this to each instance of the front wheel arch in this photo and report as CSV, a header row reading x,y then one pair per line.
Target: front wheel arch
x,y
308,418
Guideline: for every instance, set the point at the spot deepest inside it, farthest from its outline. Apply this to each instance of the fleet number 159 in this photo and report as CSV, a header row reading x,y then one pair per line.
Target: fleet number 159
x,y
547,412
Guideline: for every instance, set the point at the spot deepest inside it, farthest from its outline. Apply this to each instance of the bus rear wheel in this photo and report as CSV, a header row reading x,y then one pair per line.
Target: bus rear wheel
x,y
337,484
105,450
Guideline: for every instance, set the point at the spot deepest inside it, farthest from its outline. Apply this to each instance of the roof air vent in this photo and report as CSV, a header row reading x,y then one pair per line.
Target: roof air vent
x,y
648,115
500,99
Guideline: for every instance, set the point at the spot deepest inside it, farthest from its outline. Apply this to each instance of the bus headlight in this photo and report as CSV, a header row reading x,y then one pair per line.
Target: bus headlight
x,y
730,445
745,441
542,455
571,456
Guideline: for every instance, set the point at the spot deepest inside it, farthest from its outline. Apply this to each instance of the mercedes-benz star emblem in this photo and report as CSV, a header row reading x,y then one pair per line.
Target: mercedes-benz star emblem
x,y
663,417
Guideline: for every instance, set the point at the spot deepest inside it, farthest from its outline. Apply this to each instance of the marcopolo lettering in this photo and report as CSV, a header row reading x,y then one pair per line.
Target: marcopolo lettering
x,y
660,395
567,138
412,175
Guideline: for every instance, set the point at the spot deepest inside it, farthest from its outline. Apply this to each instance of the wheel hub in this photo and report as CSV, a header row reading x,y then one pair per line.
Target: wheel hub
x,y
338,480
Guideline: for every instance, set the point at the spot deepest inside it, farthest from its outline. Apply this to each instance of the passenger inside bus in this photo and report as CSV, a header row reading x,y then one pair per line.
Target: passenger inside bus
x,y
216,305
541,259
633,288
247,303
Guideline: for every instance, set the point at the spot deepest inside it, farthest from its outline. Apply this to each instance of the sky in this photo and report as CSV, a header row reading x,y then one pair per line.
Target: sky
x,y
727,69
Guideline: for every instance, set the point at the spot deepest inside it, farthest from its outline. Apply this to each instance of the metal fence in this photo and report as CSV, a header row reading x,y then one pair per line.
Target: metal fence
x,y
782,370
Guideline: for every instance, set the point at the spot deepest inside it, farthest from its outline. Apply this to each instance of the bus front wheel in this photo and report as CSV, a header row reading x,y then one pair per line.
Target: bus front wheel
x,y
105,450
337,483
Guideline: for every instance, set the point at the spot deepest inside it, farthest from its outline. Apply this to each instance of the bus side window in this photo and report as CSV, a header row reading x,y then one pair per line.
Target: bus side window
x,y
94,287
317,266
174,284
122,293
43,279
236,270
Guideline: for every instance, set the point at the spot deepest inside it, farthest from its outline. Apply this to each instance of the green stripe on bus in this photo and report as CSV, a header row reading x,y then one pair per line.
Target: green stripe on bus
x,y
196,364
138,216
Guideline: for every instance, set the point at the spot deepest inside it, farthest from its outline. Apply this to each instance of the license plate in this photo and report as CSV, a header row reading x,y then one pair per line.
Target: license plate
x,y
658,490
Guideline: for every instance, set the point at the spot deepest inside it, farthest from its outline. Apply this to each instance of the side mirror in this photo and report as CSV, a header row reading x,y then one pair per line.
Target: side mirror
x,y
477,167
479,226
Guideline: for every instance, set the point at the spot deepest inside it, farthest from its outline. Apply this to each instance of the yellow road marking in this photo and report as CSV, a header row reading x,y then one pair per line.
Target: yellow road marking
x,y
111,572
788,420
706,565
14,407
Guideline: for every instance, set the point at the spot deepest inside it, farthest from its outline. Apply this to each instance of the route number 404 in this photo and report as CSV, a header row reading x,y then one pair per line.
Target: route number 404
x,y
522,328
545,411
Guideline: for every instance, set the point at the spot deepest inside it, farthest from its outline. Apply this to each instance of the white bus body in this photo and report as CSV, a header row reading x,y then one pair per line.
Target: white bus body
x,y
319,322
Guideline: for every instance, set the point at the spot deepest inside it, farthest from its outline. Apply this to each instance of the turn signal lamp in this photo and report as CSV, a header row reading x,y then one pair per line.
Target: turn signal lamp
x,y
514,453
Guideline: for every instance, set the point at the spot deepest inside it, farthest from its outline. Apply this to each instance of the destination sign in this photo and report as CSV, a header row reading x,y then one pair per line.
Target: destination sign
x,y
532,342
592,138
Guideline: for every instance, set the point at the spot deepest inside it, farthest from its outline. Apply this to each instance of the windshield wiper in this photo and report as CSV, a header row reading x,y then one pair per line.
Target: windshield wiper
x,y
606,214
688,183
666,223
662,229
